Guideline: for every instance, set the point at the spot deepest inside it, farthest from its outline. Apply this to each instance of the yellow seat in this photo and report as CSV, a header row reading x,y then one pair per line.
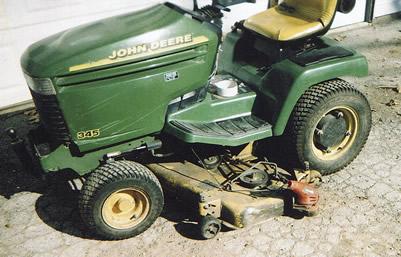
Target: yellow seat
x,y
293,19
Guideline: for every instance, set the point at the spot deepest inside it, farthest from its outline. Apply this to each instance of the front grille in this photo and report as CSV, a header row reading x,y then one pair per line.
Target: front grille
x,y
51,116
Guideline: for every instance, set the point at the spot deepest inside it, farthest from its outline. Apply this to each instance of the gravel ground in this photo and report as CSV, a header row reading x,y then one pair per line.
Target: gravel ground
x,y
360,205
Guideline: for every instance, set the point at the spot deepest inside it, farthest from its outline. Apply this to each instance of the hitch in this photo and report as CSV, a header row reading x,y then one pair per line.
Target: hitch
x,y
20,149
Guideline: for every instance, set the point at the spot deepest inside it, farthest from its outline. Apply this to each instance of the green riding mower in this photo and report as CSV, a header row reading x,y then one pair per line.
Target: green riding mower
x,y
162,98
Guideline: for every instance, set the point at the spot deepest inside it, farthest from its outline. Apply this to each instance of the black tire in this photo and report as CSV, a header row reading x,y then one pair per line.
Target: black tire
x,y
329,126
209,227
120,200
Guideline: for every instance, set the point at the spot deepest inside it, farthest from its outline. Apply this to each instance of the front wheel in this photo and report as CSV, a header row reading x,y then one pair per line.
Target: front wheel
x,y
329,125
120,199
209,227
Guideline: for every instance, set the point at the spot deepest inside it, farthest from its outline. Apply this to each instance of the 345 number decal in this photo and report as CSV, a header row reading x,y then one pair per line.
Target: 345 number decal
x,y
88,134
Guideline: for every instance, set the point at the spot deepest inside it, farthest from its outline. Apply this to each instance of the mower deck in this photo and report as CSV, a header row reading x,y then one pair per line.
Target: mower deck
x,y
201,189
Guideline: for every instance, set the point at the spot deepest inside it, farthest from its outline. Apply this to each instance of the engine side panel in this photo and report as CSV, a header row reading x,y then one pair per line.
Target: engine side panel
x,y
129,106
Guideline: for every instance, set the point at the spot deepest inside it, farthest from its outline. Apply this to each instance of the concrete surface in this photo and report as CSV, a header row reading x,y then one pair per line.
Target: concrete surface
x,y
360,205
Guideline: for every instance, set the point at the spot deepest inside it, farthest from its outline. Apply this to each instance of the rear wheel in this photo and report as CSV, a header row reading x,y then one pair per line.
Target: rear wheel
x,y
121,199
329,126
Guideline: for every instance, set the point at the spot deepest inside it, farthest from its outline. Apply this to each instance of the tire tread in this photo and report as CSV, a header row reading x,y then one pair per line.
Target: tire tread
x,y
104,175
308,104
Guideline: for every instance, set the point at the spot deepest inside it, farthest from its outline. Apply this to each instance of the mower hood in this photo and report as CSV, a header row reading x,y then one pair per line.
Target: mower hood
x,y
109,42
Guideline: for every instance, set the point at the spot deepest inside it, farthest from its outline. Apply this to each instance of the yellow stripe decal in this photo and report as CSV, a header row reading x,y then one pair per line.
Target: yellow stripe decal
x,y
144,50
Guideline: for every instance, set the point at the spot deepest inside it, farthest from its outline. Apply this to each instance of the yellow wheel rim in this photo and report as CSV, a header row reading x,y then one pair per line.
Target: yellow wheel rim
x,y
125,208
334,152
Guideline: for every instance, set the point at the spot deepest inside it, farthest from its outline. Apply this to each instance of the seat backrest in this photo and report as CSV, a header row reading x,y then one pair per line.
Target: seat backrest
x,y
315,10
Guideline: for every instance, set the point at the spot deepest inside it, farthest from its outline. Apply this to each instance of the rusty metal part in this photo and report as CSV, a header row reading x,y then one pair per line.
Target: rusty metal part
x,y
209,205
247,153
237,170
240,207
312,177
253,178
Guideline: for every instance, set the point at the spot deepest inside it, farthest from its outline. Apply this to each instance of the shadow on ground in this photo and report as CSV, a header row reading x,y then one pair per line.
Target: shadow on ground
x,y
58,208
58,204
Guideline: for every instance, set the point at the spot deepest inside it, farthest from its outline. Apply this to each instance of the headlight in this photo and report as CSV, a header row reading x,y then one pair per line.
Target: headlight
x,y
43,86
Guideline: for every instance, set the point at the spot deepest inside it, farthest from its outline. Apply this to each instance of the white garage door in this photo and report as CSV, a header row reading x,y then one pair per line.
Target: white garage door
x,y
23,22
355,16
384,7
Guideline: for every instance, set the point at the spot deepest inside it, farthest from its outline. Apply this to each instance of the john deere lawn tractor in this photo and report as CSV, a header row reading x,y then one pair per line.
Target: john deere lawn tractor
x,y
162,98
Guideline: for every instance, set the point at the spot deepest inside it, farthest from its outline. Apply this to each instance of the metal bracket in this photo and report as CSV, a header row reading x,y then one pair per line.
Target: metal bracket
x,y
209,205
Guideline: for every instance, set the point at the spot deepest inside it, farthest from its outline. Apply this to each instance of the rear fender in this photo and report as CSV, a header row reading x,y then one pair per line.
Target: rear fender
x,y
284,84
